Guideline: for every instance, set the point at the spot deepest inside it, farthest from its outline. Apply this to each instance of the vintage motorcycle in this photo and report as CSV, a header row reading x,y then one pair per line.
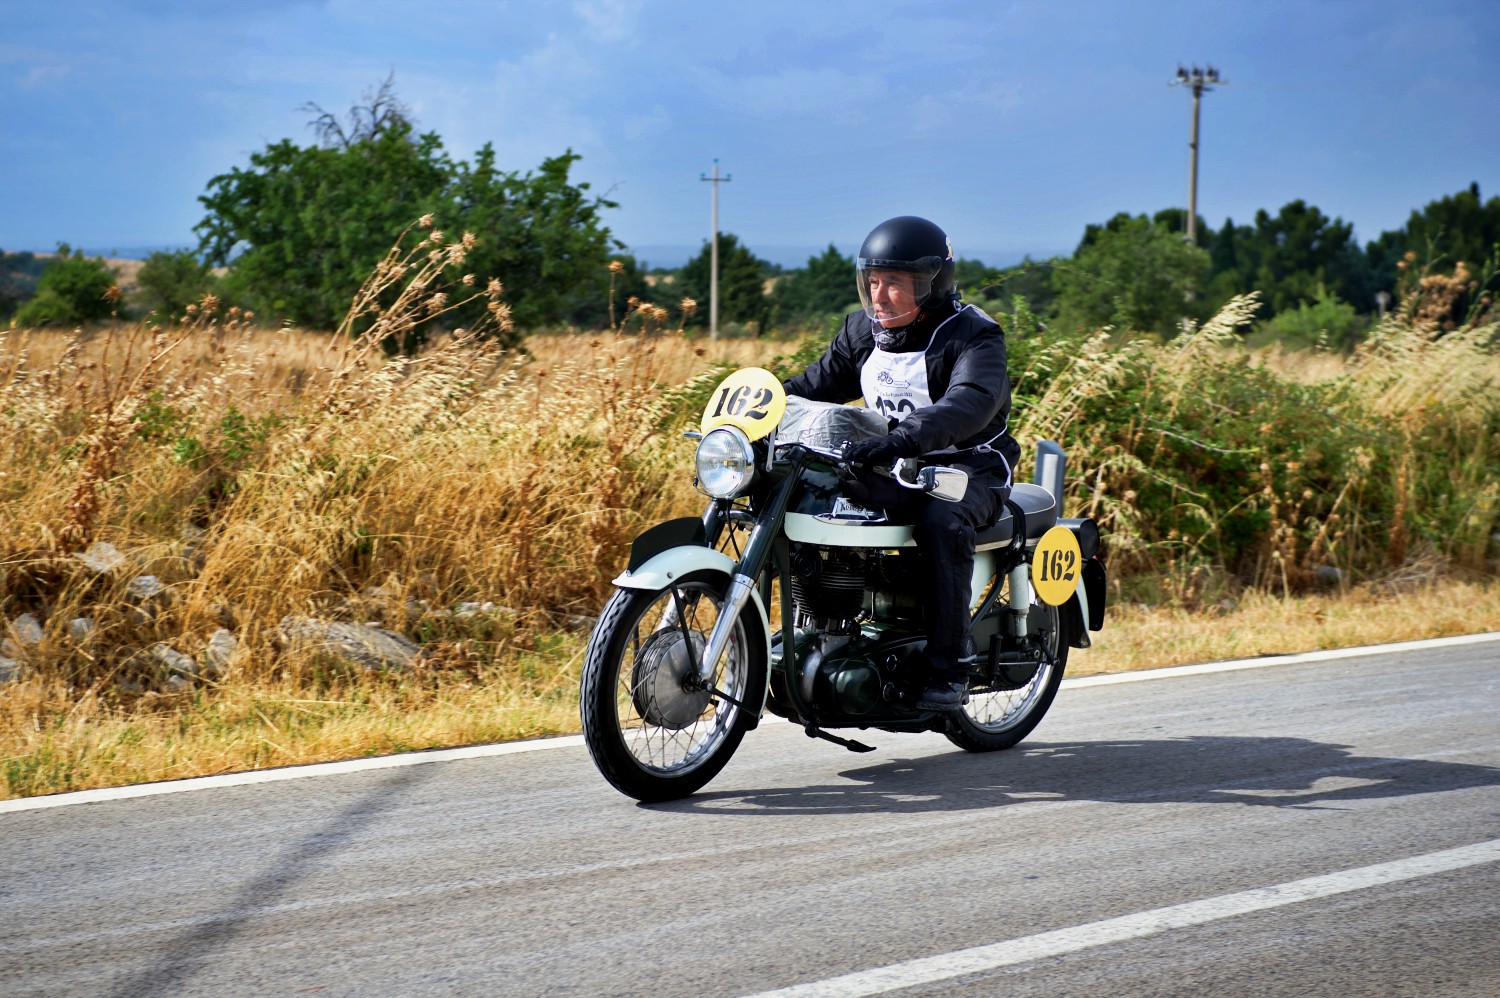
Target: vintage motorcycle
x,y
683,660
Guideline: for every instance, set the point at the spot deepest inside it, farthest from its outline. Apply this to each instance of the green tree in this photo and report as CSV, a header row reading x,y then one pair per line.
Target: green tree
x,y
169,281
742,296
71,289
1132,274
18,277
541,235
824,287
1457,228
303,226
1289,255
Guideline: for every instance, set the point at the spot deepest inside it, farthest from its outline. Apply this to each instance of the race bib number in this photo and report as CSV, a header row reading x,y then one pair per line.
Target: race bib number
x,y
750,399
1056,566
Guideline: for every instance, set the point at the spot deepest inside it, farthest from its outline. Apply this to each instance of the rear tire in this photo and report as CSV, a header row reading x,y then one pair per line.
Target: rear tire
x,y
651,736
996,720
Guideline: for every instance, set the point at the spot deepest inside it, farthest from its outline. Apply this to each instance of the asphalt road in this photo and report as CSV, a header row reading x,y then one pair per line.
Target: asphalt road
x,y
1126,848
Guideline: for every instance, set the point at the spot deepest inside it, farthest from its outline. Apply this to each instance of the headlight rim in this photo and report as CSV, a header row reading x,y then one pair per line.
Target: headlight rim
x,y
744,474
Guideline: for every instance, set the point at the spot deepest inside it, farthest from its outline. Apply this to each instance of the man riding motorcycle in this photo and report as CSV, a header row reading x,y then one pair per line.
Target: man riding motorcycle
x,y
936,368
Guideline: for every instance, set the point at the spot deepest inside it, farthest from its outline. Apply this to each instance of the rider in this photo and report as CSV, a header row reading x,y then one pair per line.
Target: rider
x,y
935,367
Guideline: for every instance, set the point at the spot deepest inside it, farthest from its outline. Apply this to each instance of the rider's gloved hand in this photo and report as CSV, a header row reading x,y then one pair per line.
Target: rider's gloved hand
x,y
875,451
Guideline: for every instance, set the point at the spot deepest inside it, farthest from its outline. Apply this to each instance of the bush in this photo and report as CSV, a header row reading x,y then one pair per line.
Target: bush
x,y
171,281
71,290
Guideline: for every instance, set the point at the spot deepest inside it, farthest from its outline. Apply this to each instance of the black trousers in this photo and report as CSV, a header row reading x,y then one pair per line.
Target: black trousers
x,y
944,532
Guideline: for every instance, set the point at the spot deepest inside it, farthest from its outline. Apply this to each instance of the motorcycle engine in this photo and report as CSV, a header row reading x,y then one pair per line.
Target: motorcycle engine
x,y
828,585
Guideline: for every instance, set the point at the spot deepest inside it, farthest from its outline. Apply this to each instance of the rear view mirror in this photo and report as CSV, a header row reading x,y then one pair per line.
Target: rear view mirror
x,y
944,483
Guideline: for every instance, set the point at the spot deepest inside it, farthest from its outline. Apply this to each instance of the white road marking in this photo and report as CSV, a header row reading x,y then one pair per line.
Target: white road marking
x,y
573,741
979,959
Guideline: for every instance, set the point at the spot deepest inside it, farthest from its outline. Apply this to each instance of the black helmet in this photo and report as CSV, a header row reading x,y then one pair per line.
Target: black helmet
x,y
906,244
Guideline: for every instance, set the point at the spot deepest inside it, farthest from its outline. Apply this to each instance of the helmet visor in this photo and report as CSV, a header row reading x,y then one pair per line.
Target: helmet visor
x,y
892,292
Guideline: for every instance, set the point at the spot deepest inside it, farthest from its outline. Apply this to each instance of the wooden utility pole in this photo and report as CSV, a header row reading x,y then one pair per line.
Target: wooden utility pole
x,y
713,253
1200,80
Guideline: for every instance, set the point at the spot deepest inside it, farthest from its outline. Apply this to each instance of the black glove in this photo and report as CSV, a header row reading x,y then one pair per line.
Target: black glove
x,y
877,451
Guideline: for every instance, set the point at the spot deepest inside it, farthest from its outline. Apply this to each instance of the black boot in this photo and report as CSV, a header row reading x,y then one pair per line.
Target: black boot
x,y
948,679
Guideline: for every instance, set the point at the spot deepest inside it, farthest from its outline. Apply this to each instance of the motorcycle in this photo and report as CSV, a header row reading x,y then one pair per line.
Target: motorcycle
x,y
683,660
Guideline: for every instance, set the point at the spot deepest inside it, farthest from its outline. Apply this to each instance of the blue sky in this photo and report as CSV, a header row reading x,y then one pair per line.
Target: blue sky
x,y
1013,125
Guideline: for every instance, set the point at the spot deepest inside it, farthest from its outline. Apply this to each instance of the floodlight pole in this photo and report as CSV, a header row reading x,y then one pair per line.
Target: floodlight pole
x,y
713,253
1199,80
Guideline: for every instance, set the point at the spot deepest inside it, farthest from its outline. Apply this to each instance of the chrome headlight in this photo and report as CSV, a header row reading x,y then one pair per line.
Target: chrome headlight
x,y
726,462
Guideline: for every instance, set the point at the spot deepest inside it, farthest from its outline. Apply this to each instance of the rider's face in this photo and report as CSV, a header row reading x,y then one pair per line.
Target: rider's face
x,y
893,295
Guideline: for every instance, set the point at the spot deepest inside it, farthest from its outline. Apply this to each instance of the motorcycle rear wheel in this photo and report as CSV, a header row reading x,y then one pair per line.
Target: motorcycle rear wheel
x,y
997,720
651,736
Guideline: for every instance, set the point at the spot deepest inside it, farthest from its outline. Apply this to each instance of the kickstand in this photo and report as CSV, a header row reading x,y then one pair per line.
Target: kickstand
x,y
814,731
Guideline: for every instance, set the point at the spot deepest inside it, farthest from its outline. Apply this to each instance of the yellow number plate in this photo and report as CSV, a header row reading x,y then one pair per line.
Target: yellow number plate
x,y
750,398
1056,565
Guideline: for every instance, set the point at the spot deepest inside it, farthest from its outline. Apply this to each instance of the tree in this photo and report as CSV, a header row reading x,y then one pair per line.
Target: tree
x,y
303,226
824,287
742,295
18,276
170,281
1132,274
1289,255
72,289
1458,228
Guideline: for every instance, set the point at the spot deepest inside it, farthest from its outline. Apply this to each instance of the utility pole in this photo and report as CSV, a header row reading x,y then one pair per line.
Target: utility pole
x,y
1200,80
713,253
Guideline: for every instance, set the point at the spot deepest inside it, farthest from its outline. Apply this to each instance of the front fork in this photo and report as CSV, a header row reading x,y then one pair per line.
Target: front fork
x,y
758,552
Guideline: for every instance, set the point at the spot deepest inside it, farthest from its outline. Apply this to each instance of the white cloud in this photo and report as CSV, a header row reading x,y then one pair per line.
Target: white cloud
x,y
38,76
607,20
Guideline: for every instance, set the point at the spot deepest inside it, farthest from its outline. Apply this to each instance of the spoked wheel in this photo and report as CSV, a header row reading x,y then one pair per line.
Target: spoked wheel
x,y
652,731
996,718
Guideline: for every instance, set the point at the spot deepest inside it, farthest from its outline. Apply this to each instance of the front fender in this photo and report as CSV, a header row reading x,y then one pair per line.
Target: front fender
x,y
661,570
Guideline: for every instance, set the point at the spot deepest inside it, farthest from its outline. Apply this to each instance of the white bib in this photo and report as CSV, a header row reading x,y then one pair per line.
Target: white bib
x,y
895,384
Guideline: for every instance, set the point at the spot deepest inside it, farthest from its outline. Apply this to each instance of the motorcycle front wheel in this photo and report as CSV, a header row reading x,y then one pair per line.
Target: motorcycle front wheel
x,y
997,719
653,735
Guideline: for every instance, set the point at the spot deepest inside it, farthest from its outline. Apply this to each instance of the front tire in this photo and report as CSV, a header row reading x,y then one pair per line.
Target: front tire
x,y
651,735
995,719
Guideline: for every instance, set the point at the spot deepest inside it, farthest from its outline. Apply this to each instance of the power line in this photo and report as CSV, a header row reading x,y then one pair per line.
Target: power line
x,y
1200,80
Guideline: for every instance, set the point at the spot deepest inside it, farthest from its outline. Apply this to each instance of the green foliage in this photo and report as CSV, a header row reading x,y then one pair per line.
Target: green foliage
x,y
18,277
302,227
169,281
601,301
1458,228
742,295
1192,456
70,290
824,287
1327,322
1132,274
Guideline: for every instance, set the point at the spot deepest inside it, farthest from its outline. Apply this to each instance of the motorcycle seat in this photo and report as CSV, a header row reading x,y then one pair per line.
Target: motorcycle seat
x,y
1041,515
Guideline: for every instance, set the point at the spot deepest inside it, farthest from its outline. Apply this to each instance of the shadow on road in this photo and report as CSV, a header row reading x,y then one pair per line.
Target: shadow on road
x,y
178,959
1205,769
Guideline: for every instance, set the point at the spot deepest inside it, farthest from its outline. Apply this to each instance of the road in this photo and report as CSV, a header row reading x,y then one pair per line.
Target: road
x,y
1323,828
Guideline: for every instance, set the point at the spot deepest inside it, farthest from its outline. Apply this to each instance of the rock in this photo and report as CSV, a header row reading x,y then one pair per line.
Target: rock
x,y
1329,576
79,628
10,670
165,655
178,683
143,588
467,611
28,629
216,654
374,648
101,557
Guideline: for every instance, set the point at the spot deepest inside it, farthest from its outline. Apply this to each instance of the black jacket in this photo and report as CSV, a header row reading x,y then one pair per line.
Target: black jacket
x,y
966,377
